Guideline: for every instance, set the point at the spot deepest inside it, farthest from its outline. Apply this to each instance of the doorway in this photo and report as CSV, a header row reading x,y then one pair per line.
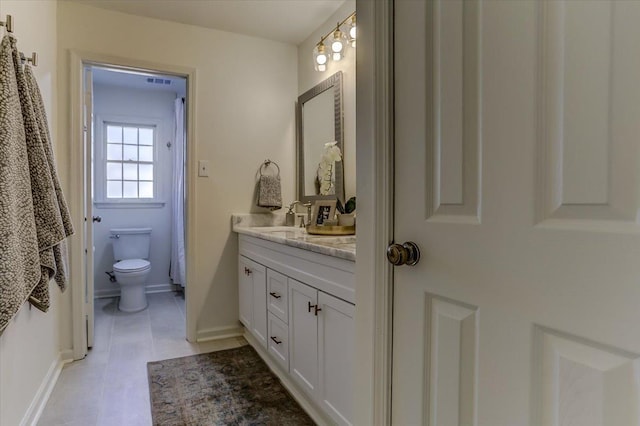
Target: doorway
x,y
136,128
157,193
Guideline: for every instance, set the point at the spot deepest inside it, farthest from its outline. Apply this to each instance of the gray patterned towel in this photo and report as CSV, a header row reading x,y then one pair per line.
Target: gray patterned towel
x,y
19,259
49,226
270,192
59,250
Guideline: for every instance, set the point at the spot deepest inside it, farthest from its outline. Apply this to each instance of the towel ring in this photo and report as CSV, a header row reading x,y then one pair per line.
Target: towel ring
x,y
266,164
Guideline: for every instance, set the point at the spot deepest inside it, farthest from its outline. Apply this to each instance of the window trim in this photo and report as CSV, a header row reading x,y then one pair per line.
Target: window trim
x,y
100,199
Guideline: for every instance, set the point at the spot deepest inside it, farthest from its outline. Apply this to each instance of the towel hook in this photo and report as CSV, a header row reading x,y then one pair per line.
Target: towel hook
x,y
33,59
266,164
8,23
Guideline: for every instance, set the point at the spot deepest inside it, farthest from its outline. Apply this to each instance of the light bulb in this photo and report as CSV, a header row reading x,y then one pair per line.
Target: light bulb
x,y
320,57
337,43
352,32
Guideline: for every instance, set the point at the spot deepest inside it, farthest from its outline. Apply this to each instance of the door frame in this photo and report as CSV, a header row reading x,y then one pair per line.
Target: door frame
x,y
375,189
77,61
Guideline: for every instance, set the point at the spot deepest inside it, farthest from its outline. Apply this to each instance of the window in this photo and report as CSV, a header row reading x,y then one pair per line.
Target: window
x,y
129,161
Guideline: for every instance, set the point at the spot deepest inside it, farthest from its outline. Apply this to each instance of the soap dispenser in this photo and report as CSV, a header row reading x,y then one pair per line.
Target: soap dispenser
x,y
290,216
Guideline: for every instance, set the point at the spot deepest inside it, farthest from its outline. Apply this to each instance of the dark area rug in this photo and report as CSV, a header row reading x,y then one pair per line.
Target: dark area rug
x,y
230,387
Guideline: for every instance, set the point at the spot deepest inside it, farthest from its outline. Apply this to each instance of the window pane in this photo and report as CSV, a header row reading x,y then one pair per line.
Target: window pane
x,y
146,189
114,152
130,189
114,189
114,134
146,136
146,153
114,171
146,172
131,135
130,171
130,153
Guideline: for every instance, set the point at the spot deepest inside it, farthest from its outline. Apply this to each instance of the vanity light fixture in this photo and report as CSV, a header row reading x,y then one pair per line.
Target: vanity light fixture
x,y
337,44
320,56
352,31
338,41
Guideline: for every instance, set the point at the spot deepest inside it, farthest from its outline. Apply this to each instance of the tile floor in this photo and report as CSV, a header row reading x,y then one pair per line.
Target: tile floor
x,y
109,386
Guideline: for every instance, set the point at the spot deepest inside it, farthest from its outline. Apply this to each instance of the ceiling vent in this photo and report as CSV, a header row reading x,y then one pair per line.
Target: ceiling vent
x,y
162,81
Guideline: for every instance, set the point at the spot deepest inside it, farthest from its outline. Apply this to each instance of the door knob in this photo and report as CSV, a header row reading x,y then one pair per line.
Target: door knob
x,y
96,219
403,254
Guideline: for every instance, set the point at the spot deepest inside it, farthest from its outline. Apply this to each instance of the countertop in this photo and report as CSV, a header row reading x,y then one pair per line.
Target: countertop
x,y
269,227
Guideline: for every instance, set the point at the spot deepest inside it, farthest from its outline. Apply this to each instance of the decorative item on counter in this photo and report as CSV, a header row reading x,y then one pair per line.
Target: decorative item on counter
x,y
331,230
269,189
346,216
326,176
290,216
323,210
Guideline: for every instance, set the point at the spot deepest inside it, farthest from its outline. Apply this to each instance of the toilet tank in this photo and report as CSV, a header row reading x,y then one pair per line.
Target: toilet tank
x,y
130,243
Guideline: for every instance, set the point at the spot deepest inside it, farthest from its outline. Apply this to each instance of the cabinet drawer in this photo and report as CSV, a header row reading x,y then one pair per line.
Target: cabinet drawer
x,y
277,295
279,341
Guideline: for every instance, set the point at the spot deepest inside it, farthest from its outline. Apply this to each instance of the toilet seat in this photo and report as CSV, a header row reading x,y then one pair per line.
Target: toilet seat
x,y
131,265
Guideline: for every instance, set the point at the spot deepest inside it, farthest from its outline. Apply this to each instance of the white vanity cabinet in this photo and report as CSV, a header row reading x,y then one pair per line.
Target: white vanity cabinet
x,y
321,348
252,295
303,336
308,309
336,356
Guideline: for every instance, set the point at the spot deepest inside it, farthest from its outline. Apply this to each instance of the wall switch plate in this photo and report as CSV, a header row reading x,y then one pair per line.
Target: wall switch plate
x,y
203,168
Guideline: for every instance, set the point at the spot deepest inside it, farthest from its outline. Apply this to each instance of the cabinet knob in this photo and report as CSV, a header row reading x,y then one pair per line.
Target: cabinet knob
x,y
275,339
247,271
317,310
275,295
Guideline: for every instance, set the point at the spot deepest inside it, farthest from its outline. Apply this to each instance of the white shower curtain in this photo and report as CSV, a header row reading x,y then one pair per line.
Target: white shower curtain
x,y
178,201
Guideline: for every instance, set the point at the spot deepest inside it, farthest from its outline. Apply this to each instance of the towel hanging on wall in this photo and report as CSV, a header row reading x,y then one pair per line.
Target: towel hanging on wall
x,y
50,228
269,189
59,250
19,258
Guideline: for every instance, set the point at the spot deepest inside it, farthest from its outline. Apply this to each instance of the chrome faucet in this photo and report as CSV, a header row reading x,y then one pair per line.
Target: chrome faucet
x,y
308,206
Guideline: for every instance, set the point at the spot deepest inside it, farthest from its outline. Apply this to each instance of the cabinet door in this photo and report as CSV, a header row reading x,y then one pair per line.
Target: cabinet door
x,y
245,292
303,336
336,357
277,297
259,318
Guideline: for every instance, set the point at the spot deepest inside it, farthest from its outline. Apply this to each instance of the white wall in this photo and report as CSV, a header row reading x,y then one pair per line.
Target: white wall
x,y
111,101
30,346
245,93
309,77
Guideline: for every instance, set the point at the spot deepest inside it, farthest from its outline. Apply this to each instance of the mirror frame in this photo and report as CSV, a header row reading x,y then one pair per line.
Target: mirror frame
x,y
332,83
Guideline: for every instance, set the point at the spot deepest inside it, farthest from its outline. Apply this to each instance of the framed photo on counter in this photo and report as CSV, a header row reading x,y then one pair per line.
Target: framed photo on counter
x,y
323,210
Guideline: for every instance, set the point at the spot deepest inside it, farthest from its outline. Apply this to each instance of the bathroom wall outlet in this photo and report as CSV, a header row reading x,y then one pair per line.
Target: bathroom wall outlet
x,y
203,168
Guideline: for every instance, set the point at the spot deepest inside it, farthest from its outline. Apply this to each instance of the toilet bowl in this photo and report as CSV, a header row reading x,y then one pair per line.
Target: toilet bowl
x,y
132,276
131,251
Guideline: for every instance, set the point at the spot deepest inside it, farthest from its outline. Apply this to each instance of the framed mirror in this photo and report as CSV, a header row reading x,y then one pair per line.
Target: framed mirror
x,y
319,120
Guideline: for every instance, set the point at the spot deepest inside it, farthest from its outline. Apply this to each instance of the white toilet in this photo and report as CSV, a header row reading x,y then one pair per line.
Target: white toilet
x,y
132,267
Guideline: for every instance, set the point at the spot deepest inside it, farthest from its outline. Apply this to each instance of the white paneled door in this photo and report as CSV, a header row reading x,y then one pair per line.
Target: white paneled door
x,y
517,151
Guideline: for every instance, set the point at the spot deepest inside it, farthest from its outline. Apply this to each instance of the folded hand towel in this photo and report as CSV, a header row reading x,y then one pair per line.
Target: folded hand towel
x,y
269,191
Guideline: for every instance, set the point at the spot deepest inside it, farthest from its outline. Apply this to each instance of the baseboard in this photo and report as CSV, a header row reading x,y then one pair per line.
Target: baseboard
x,y
159,288
301,398
218,333
41,398
115,292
